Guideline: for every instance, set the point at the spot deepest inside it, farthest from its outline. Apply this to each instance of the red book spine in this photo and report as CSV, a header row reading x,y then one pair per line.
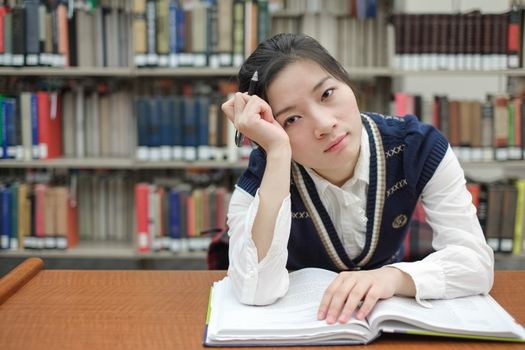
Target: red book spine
x,y
2,42
44,136
141,206
55,126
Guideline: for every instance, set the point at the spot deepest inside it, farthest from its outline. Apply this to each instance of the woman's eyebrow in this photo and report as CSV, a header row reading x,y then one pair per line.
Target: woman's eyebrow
x,y
320,83
316,86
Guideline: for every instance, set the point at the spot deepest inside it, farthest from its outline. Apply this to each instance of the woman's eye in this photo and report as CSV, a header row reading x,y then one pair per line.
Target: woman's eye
x,y
290,120
327,94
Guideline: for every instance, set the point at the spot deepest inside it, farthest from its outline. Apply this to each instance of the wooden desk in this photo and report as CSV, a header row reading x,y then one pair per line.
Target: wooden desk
x,y
73,309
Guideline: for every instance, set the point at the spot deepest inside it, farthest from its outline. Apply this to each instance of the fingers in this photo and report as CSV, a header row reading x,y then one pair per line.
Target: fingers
x,y
370,301
350,292
242,103
357,294
337,297
230,107
238,103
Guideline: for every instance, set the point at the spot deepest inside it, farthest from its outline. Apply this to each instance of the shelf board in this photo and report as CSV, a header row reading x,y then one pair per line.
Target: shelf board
x,y
186,72
119,163
123,72
67,72
205,72
496,168
494,171
185,165
473,73
113,250
85,163
509,261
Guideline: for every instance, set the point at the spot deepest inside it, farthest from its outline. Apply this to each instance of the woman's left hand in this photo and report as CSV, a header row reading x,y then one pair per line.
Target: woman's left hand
x,y
350,288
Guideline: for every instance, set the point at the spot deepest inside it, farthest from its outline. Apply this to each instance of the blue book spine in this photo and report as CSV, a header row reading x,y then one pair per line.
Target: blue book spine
x,y
11,124
180,22
165,131
190,127
178,127
154,131
169,108
34,126
203,128
3,121
172,29
5,233
371,8
174,214
142,114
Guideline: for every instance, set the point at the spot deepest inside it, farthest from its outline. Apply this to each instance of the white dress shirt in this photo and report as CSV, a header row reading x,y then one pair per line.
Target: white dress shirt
x,y
463,263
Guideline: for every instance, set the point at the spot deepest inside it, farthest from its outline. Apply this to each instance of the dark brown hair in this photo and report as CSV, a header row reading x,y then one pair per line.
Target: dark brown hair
x,y
273,55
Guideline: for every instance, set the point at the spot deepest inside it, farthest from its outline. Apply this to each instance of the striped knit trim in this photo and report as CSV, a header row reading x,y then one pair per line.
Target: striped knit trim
x,y
433,160
316,217
377,154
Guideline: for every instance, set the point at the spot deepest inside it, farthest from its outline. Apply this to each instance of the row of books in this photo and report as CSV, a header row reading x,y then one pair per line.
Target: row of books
x,y
172,33
501,213
166,33
34,33
181,128
505,222
197,33
83,123
493,129
178,218
37,216
30,126
71,123
355,32
471,41
87,123
56,34
105,205
110,207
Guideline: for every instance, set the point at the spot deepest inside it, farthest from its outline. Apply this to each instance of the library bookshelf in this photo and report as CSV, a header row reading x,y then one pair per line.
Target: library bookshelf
x,y
137,70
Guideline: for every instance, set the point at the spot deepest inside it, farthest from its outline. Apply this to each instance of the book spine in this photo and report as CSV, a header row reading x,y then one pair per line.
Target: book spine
x,y
142,209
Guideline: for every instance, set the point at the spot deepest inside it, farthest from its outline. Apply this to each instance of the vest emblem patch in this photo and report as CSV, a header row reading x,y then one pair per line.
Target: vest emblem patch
x,y
400,221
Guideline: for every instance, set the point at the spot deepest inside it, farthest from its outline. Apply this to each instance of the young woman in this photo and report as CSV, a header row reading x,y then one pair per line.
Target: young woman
x,y
332,187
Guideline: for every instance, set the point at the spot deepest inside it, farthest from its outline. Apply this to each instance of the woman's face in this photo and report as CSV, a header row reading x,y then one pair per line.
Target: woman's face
x,y
320,115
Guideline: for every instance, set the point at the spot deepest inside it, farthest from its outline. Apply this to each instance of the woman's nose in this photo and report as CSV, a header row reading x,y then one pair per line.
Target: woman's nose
x,y
323,124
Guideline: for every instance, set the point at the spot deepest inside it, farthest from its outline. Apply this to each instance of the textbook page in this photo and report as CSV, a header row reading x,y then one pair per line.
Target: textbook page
x,y
292,318
478,315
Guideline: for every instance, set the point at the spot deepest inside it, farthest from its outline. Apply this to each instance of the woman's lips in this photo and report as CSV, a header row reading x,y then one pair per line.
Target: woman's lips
x,y
336,144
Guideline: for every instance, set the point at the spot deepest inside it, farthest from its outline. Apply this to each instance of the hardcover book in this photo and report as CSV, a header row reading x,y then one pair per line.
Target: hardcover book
x,y
292,320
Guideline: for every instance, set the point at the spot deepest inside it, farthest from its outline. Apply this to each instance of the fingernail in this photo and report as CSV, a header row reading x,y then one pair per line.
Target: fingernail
x,y
360,315
320,315
343,319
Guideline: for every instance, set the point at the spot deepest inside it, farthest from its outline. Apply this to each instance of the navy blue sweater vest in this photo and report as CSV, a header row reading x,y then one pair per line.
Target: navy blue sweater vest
x,y
404,155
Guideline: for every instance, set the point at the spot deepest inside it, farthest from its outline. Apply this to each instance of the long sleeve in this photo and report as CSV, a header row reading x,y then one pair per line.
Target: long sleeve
x,y
254,282
463,263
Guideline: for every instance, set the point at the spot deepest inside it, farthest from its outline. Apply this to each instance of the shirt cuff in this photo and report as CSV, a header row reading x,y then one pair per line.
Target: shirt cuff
x,y
428,277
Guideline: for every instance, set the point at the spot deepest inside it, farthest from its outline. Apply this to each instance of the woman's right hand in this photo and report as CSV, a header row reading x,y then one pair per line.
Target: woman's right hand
x,y
253,117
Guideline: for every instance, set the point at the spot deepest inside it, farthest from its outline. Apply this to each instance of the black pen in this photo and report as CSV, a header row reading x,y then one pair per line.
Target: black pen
x,y
239,138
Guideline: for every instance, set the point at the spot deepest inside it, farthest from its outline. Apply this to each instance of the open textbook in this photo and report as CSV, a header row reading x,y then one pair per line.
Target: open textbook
x,y
292,320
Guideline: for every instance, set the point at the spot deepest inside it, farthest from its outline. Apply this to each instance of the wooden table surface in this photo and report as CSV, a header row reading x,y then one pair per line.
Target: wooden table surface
x,y
79,309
